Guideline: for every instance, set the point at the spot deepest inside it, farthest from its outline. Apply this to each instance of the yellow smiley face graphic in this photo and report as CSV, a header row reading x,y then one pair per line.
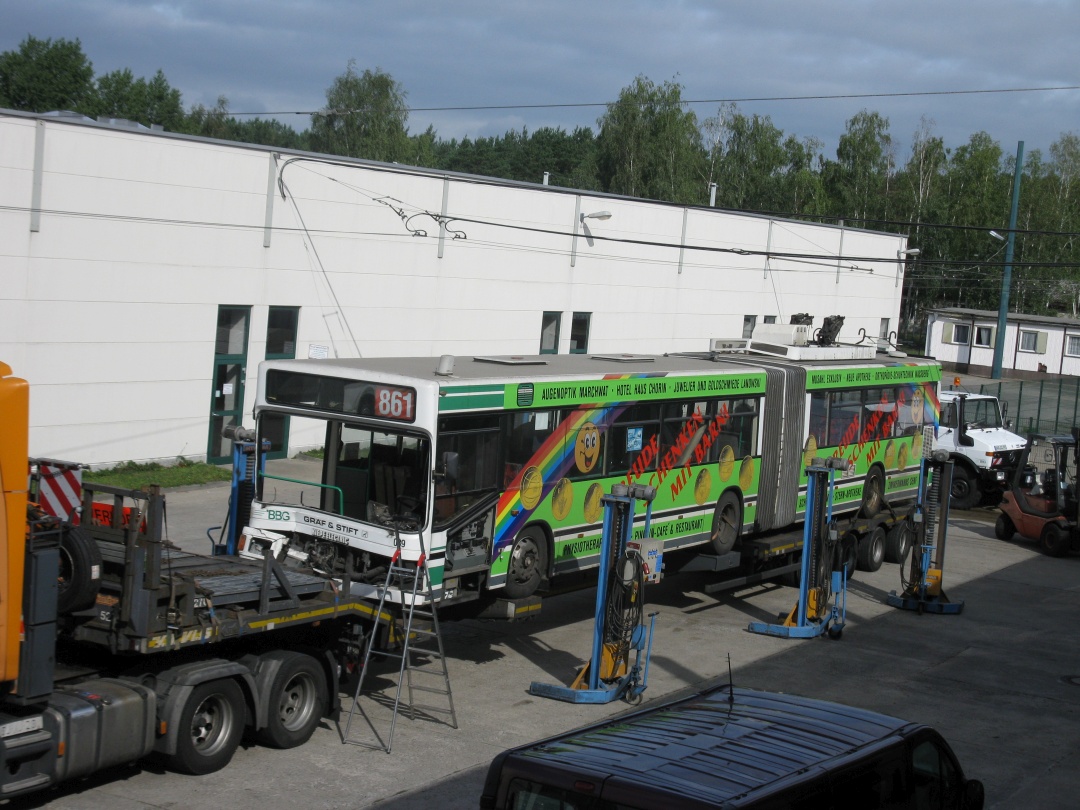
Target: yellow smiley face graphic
x,y
587,447
917,406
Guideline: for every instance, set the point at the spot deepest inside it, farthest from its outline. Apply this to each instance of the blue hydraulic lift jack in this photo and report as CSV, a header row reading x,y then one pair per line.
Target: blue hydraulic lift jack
x,y
923,580
625,565
812,616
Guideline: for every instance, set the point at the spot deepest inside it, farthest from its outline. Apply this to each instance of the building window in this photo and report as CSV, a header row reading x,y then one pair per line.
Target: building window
x,y
984,335
1033,342
748,324
549,333
883,330
961,334
1072,345
579,332
770,319
281,325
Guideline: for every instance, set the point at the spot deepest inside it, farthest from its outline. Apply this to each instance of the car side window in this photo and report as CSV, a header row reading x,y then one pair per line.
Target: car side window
x,y
936,777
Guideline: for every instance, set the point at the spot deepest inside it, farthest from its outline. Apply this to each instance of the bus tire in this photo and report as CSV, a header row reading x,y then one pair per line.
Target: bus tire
x,y
79,577
296,700
726,523
528,562
211,725
872,550
873,499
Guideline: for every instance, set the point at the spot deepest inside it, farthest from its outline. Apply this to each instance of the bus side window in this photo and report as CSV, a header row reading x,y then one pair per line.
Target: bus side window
x,y
685,423
742,421
845,411
526,433
634,430
819,417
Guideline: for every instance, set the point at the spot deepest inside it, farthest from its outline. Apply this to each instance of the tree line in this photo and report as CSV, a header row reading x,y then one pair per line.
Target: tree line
x,y
649,144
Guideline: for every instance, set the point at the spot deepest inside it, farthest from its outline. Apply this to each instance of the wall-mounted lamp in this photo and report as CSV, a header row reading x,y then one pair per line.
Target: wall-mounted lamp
x,y
594,215
900,254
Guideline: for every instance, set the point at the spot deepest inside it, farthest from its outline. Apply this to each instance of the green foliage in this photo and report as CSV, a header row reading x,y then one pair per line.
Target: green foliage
x,y
44,75
133,475
120,95
649,146
365,117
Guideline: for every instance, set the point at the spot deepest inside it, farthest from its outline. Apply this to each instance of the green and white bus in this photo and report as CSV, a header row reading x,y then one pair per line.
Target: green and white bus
x,y
500,462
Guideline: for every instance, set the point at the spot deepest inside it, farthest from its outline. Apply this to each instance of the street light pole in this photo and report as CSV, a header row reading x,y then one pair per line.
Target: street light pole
x,y
1006,278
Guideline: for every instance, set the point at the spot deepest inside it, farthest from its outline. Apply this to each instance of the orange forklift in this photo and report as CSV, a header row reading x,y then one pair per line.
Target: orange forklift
x,y
1041,503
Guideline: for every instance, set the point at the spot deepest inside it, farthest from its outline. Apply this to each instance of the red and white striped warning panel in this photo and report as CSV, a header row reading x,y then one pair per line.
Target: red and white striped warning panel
x,y
59,487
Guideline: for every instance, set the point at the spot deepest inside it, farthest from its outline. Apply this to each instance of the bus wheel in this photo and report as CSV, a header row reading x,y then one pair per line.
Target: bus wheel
x,y
726,523
528,561
872,550
873,498
210,727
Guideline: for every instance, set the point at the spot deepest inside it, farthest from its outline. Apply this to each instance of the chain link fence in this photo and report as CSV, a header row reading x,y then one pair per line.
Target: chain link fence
x,y
1039,406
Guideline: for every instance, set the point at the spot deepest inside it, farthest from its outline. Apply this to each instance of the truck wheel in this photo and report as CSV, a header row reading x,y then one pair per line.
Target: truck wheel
x,y
79,577
210,727
898,542
726,523
873,499
849,555
1054,540
528,562
872,550
965,494
1004,528
296,701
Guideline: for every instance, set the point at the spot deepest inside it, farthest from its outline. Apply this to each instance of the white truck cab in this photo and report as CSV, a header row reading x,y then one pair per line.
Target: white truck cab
x,y
974,431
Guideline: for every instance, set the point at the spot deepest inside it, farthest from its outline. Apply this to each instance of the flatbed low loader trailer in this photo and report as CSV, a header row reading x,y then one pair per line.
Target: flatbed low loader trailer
x,y
864,544
115,645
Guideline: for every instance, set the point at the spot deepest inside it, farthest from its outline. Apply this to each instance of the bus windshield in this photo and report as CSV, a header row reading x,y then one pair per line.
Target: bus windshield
x,y
372,474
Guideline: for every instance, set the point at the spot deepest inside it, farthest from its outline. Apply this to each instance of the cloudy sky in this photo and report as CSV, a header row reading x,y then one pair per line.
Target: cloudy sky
x,y
556,62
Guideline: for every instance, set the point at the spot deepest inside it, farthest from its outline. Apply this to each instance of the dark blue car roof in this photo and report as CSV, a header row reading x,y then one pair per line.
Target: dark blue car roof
x,y
711,750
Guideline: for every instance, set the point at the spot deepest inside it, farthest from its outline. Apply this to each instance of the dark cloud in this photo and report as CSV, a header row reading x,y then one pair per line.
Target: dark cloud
x,y
279,56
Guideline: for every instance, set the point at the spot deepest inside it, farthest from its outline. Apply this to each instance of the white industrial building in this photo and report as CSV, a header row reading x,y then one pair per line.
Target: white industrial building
x,y
144,275
1035,345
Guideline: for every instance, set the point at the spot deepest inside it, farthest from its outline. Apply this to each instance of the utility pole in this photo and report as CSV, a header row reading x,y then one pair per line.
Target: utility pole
x,y
1006,279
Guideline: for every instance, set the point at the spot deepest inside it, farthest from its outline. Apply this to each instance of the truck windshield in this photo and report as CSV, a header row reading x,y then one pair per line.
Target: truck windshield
x,y
982,413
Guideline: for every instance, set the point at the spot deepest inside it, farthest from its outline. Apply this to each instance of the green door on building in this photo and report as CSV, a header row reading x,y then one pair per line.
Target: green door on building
x,y
230,367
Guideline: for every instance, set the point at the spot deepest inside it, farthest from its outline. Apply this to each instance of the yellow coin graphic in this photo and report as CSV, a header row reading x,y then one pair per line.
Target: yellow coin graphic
x,y
890,454
746,473
593,507
809,452
532,487
702,487
562,499
916,445
727,462
902,457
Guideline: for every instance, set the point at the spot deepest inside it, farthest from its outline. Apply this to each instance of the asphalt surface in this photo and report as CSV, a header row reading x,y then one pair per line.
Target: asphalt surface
x,y
1001,681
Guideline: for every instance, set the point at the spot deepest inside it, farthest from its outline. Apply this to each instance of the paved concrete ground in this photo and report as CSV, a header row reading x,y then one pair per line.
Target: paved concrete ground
x,y
1001,681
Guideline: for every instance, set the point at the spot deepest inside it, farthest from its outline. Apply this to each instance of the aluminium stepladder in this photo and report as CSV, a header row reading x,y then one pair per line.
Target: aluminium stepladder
x,y
410,580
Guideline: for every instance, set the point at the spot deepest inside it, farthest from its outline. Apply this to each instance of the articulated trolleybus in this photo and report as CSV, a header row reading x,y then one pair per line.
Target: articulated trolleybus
x,y
498,464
